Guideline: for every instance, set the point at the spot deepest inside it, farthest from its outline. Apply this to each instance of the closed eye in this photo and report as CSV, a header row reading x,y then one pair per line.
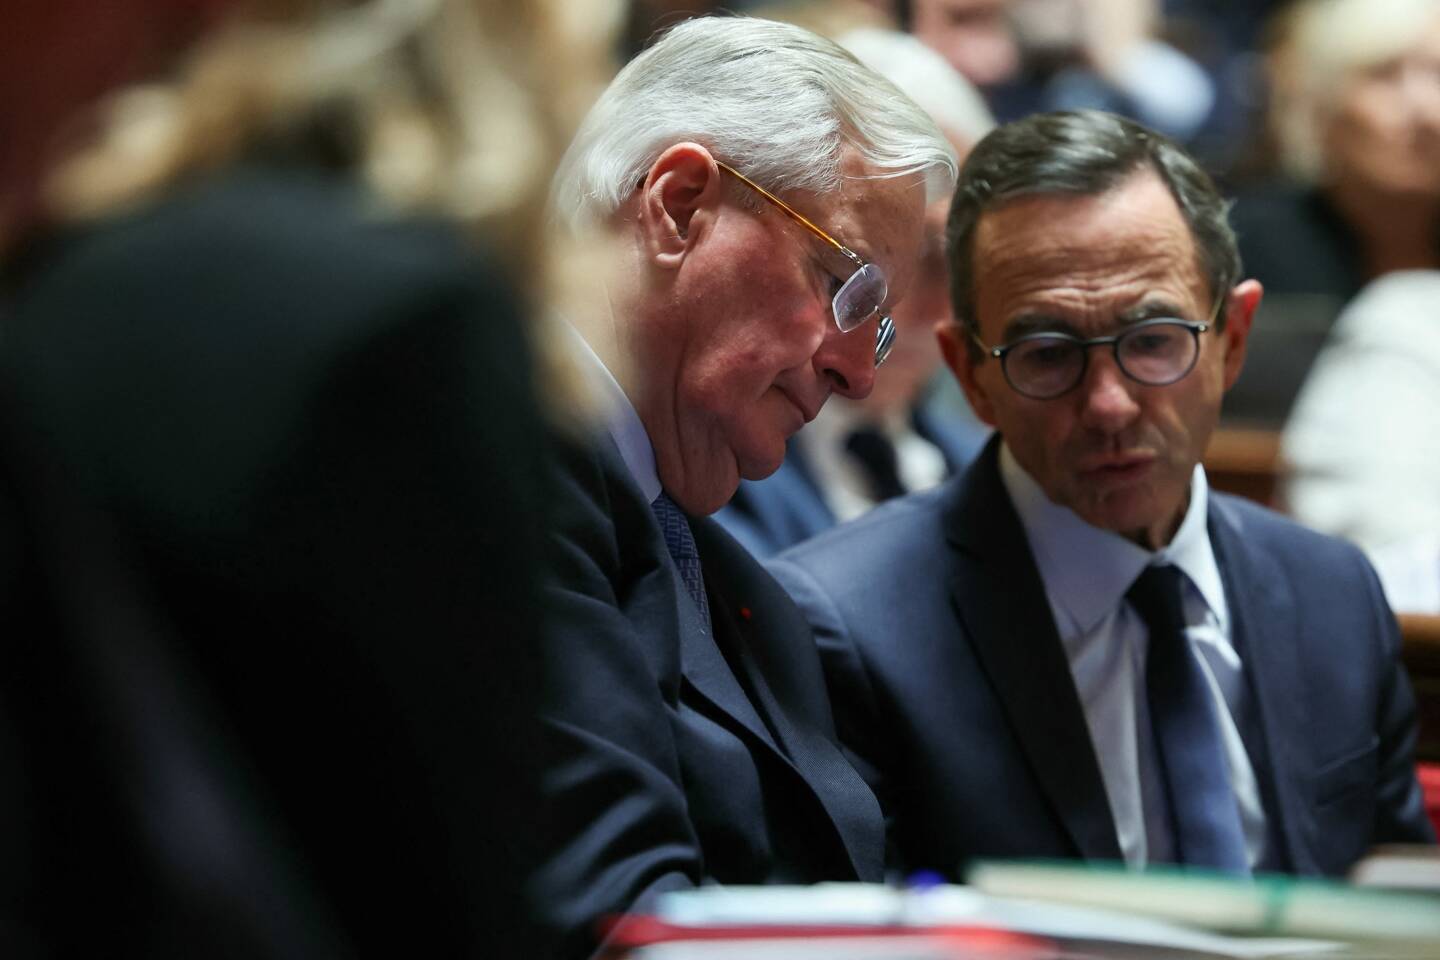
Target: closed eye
x,y
1048,352
1150,343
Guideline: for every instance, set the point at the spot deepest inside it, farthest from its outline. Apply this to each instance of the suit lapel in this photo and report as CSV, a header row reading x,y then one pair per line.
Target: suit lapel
x,y
772,648
701,663
1264,629
706,669
1002,606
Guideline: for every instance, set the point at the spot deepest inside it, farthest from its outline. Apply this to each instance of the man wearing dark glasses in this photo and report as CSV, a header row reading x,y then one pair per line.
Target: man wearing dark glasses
x,y
1077,649
763,197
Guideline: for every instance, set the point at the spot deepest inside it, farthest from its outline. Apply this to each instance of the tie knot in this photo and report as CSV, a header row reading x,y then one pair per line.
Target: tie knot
x,y
1156,596
676,528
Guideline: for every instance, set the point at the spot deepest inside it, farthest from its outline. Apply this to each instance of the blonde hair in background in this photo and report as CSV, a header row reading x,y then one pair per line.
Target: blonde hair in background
x,y
453,108
1318,47
446,107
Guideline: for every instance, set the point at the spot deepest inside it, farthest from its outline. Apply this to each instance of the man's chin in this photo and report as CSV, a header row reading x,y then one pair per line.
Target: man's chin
x,y
761,466
1137,518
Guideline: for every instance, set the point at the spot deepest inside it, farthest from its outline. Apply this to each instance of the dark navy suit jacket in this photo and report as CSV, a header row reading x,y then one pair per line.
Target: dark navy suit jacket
x,y
789,506
952,690
676,756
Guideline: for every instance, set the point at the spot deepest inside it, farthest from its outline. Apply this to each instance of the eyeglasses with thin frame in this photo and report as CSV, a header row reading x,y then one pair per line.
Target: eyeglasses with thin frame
x,y
1049,364
860,296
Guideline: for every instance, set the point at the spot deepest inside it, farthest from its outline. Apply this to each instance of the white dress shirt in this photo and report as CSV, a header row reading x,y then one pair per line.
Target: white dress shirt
x,y
1086,573
621,420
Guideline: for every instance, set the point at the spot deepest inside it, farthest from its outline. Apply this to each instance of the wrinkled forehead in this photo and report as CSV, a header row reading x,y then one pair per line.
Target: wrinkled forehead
x,y
1085,250
881,218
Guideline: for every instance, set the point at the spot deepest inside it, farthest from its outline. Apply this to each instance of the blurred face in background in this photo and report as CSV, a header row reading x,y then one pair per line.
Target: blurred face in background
x,y
1383,131
916,356
974,35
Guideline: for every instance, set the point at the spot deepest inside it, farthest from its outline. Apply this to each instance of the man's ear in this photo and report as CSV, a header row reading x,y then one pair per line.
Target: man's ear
x,y
678,199
1240,307
955,348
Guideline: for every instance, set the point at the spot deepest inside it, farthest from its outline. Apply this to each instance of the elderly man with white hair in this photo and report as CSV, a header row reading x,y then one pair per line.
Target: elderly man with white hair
x,y
910,433
762,196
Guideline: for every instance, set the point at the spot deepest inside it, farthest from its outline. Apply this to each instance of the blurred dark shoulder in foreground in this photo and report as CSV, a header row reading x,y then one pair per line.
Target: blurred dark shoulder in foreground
x,y
267,585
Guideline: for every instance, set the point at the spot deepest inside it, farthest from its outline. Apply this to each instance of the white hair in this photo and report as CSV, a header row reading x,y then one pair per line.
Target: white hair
x,y
925,77
772,100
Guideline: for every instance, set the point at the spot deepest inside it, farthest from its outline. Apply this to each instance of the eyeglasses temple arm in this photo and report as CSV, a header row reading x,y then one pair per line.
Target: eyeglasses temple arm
x,y
794,214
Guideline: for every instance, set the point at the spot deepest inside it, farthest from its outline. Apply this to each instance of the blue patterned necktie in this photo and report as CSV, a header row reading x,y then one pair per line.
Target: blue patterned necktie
x,y
681,544
1204,817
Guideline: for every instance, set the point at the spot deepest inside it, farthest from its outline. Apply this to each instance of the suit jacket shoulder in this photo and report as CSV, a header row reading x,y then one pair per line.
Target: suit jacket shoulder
x,y
785,508
312,547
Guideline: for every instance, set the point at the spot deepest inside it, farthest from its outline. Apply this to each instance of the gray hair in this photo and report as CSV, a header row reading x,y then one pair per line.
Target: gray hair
x,y
774,101
1084,153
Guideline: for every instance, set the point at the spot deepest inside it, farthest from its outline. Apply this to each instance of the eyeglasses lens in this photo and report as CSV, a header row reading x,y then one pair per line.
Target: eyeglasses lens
x,y
1154,353
1045,366
1157,354
860,297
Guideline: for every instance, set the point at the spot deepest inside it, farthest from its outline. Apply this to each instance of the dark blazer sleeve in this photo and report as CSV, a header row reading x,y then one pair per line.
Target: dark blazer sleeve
x,y
615,817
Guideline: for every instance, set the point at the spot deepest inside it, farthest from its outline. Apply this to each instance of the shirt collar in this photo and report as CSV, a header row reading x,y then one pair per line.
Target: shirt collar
x,y
621,420
1087,570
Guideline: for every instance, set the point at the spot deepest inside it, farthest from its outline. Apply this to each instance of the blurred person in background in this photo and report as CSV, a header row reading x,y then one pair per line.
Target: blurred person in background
x,y
1225,38
1355,106
1092,654
858,453
765,195
977,37
1105,55
271,477
1362,446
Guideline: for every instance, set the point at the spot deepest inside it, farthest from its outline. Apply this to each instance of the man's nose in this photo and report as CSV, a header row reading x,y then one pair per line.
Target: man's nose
x,y
847,360
1107,396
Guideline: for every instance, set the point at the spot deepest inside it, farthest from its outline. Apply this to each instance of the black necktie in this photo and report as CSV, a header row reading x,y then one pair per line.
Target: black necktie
x,y
876,455
1204,817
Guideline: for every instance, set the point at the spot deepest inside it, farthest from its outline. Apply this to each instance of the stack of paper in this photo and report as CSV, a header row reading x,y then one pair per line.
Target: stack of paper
x,y
1271,906
872,922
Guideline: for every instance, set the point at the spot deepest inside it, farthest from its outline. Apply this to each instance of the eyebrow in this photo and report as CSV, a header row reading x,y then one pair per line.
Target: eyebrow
x,y
829,260
1026,324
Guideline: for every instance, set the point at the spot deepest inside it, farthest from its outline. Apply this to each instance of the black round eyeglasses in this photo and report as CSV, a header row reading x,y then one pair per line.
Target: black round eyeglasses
x,y
1046,365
